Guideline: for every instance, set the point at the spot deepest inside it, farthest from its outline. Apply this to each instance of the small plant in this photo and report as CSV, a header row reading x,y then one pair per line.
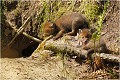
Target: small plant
x,y
97,34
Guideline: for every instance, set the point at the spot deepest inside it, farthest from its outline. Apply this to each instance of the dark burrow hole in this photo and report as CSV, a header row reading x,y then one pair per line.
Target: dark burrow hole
x,y
21,47
18,52
27,52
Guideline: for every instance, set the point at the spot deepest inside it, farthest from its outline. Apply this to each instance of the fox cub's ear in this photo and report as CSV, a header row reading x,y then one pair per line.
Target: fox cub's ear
x,y
52,24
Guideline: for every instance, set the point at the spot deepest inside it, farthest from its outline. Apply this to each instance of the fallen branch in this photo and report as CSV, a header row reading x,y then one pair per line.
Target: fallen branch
x,y
109,57
69,47
41,46
58,47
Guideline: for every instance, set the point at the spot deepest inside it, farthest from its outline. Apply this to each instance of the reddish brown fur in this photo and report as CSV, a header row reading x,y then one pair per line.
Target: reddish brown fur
x,y
68,24
84,36
91,45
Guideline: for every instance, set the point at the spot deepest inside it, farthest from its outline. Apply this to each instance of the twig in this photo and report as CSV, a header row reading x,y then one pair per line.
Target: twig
x,y
25,34
42,44
108,12
20,30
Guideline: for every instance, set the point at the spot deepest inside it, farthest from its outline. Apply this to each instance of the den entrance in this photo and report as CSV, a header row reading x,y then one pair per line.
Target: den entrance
x,y
21,47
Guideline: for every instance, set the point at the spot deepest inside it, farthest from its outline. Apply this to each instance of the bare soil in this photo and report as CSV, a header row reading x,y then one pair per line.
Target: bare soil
x,y
53,68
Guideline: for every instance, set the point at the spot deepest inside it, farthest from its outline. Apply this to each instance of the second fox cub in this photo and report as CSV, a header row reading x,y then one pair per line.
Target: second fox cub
x,y
68,24
91,45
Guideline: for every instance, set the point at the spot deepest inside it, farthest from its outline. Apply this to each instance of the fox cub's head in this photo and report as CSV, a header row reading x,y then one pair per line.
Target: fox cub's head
x,y
85,35
49,29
